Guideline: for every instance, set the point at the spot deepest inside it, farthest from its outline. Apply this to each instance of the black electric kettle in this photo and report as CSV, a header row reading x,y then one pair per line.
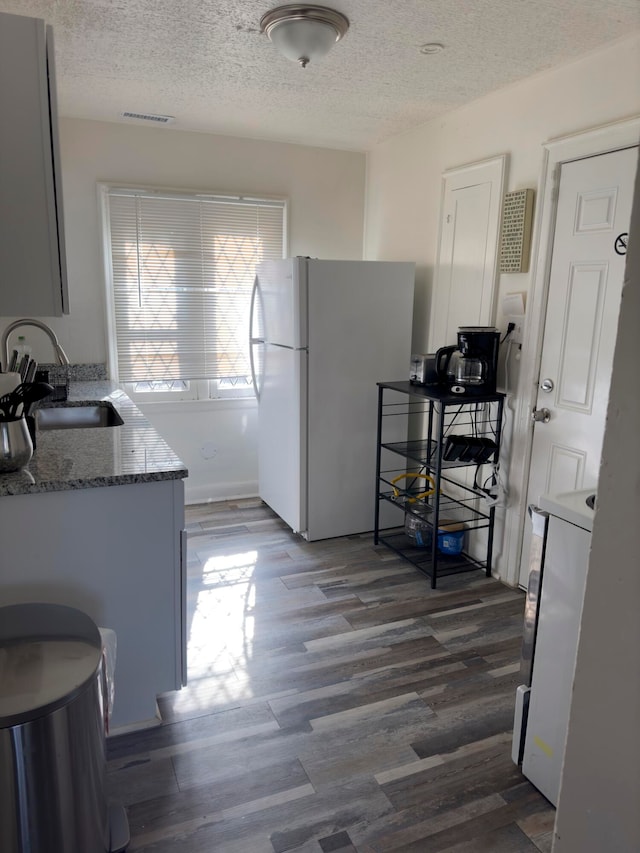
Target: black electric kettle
x,y
444,371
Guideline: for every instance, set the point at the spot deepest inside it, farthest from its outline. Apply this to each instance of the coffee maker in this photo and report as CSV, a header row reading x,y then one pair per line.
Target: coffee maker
x,y
470,368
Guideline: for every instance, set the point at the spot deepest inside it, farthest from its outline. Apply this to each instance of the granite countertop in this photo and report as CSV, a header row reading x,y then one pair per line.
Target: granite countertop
x,y
87,458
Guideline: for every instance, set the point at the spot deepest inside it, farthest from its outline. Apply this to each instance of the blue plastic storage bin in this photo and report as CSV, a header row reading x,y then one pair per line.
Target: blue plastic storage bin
x,y
450,541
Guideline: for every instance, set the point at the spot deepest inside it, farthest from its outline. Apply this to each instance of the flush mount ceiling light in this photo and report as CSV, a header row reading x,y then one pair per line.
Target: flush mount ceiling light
x,y
431,47
304,33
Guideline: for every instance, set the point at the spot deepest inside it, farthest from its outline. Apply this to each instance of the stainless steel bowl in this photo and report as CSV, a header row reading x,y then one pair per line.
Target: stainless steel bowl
x,y
16,448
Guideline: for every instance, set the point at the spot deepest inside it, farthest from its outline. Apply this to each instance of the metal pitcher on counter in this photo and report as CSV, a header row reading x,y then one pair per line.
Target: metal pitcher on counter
x,y
16,448
16,442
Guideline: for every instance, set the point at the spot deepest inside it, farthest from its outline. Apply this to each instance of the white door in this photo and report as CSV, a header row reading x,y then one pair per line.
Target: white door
x,y
587,269
467,251
466,273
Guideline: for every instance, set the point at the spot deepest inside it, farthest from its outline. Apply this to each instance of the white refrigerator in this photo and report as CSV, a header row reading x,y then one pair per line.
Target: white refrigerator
x,y
323,333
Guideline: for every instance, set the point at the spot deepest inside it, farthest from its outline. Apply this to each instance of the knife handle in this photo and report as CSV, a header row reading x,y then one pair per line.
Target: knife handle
x,y
31,370
24,363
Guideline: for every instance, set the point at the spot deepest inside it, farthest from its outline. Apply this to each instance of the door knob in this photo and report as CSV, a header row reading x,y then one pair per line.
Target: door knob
x,y
541,416
547,385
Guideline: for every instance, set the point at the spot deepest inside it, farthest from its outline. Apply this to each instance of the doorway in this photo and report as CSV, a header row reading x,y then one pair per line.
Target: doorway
x,y
583,202
585,284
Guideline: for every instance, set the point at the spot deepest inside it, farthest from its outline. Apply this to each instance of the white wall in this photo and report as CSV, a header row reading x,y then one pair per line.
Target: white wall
x,y
325,189
404,182
218,442
600,785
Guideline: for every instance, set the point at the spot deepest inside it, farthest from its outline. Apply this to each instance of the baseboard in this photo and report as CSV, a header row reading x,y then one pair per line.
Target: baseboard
x,y
127,728
219,492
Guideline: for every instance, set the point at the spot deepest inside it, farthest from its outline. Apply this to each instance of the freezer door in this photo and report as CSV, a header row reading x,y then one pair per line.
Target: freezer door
x,y
282,434
282,287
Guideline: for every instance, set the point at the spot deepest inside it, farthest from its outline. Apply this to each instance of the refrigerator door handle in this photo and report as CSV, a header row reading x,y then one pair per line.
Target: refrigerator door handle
x,y
256,389
539,523
253,340
520,716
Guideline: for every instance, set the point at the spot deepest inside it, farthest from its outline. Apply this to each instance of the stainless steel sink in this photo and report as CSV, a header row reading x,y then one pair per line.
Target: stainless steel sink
x,y
78,416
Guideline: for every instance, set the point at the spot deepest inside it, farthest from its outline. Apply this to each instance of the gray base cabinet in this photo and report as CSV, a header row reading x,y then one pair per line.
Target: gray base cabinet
x,y
33,278
118,554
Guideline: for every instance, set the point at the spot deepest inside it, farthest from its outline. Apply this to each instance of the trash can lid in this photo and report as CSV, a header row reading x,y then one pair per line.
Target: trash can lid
x,y
48,654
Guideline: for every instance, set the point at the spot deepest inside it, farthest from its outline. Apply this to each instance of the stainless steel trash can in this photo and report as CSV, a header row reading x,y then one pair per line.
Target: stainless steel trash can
x,y
52,734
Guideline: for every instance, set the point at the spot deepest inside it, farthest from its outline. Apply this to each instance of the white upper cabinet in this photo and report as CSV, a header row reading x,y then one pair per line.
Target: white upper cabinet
x,y
33,276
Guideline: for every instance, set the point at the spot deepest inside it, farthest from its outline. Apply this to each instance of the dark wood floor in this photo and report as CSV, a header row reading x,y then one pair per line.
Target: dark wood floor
x,y
336,703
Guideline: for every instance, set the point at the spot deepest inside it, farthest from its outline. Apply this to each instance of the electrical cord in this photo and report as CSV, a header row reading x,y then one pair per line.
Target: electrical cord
x,y
507,359
453,420
494,488
510,328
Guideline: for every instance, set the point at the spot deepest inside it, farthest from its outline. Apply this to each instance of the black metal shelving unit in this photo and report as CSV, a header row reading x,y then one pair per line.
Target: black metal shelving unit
x,y
441,422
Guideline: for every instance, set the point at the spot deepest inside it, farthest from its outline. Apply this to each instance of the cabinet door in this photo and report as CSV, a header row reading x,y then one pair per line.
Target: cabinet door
x,y
32,259
114,553
560,610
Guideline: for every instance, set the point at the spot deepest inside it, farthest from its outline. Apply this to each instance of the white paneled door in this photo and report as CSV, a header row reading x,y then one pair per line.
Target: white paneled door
x,y
587,270
467,252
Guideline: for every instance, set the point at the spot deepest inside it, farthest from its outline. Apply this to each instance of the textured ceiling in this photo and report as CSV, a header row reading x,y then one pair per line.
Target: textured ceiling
x,y
206,63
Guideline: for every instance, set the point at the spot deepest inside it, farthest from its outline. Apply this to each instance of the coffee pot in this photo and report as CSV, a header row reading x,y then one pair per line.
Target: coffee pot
x,y
470,366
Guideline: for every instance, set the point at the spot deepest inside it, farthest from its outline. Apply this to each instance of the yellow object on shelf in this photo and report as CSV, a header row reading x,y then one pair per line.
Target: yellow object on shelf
x,y
414,476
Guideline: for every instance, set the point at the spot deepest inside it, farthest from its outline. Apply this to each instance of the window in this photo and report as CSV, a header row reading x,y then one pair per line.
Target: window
x,y
181,272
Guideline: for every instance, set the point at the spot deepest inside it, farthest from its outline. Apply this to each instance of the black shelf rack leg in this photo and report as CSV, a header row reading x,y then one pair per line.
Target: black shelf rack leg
x,y
440,410
376,517
492,511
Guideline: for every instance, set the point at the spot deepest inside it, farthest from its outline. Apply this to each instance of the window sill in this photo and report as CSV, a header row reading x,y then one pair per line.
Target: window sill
x,y
217,404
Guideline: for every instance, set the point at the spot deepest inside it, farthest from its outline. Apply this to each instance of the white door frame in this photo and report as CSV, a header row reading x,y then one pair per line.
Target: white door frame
x,y
560,150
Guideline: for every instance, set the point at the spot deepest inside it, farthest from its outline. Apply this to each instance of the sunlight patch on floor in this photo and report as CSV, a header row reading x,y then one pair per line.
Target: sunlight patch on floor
x,y
220,642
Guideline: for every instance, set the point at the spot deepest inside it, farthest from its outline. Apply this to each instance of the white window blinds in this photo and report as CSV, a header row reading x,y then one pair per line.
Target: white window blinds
x,y
182,271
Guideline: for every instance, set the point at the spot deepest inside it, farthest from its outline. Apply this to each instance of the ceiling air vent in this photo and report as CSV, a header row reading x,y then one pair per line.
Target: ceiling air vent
x,y
149,117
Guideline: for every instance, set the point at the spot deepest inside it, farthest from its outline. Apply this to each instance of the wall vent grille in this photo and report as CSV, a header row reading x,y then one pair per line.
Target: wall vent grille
x,y
517,220
158,119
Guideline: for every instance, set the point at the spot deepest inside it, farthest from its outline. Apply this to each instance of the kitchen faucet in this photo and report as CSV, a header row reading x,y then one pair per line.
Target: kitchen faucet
x,y
60,354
